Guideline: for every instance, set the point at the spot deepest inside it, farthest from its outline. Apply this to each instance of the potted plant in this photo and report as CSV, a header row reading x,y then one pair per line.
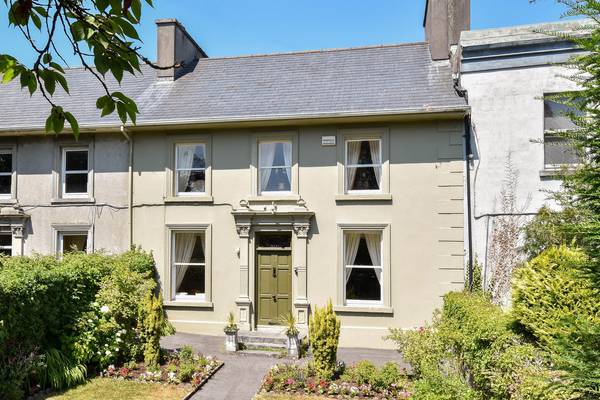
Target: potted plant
x,y
231,333
291,331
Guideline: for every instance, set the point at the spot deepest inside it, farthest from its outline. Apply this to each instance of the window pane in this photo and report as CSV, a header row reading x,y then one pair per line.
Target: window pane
x,y
558,151
6,252
5,162
362,284
555,118
362,254
191,156
362,178
5,240
275,179
5,182
76,160
189,247
190,280
190,181
76,183
275,154
72,243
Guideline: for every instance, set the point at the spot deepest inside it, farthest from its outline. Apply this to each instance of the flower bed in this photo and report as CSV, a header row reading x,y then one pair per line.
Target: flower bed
x,y
181,367
362,380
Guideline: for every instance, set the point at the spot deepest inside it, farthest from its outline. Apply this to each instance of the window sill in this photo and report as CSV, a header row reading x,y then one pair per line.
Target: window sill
x,y
73,200
364,197
364,309
8,200
189,199
189,304
271,198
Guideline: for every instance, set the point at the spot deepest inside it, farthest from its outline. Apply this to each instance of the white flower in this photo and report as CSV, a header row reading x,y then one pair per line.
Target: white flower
x,y
104,309
118,340
90,321
118,333
108,353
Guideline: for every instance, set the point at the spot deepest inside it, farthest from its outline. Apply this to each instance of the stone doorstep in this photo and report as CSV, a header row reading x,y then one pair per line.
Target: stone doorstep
x,y
266,341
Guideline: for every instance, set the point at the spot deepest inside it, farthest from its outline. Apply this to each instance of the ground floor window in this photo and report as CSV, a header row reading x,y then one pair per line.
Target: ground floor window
x,y
189,266
70,242
363,267
6,244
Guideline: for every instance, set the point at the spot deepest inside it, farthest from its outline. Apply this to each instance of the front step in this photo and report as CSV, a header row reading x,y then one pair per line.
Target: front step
x,y
274,342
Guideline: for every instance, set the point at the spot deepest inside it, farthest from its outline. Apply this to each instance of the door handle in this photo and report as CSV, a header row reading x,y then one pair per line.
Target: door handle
x,y
274,299
274,272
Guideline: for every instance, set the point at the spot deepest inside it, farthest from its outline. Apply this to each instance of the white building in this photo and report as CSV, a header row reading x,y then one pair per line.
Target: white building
x,y
506,73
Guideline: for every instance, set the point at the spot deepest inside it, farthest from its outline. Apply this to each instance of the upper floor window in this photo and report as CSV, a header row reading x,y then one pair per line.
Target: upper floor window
x,y
275,167
363,165
557,150
74,172
6,172
190,167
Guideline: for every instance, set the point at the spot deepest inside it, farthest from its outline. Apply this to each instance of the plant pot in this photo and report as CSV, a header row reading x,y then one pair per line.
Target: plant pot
x,y
231,341
293,346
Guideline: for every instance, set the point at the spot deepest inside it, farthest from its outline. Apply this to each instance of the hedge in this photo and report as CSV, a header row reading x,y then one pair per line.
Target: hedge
x,y
84,309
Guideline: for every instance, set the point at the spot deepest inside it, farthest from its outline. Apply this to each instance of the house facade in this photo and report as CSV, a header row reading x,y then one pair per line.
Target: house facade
x,y
508,74
263,185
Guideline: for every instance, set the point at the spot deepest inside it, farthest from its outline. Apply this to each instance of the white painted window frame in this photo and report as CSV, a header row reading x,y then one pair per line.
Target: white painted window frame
x,y
72,229
347,166
12,173
169,291
177,169
291,166
64,173
365,303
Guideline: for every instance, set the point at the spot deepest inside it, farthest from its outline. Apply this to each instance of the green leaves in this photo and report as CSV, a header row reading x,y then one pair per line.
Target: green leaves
x,y
126,107
56,121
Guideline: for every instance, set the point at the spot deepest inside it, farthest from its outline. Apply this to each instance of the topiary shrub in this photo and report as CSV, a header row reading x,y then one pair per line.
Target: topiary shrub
x,y
152,324
550,289
324,335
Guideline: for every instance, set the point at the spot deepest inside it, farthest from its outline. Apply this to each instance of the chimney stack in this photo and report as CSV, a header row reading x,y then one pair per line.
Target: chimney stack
x,y
175,46
444,21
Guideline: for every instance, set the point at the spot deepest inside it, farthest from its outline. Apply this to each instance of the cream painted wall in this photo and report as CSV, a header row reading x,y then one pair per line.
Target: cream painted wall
x,y
425,217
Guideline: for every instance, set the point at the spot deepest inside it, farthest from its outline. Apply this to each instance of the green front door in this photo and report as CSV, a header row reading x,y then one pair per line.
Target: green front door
x,y
274,285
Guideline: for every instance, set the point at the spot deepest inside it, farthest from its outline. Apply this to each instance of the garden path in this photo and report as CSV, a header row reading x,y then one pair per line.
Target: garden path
x,y
241,376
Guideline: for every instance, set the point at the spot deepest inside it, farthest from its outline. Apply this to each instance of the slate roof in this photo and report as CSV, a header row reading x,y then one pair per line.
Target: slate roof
x,y
369,80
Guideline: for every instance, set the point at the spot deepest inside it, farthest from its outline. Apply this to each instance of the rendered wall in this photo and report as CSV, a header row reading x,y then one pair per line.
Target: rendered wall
x,y
425,217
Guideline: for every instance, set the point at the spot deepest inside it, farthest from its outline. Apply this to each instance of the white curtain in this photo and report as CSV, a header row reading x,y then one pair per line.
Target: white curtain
x,y
287,157
184,248
352,159
266,157
352,242
376,159
185,158
374,245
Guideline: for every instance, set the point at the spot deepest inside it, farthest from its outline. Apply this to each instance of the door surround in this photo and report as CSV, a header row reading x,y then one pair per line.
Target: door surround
x,y
249,224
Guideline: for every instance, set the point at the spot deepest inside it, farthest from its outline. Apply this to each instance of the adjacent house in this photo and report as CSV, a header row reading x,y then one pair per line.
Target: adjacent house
x,y
508,74
262,184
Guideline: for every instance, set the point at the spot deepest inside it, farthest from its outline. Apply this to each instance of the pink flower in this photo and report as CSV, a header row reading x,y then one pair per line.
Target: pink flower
x,y
290,381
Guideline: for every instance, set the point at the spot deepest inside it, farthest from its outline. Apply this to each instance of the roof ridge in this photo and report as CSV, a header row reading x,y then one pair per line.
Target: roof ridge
x,y
325,50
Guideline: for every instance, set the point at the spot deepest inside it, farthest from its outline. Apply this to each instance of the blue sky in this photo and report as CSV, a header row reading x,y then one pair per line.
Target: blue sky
x,y
236,27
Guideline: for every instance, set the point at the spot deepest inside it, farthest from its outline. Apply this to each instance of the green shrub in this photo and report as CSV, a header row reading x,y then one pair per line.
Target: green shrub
x,y
186,371
361,373
549,289
324,334
61,372
548,229
51,306
471,351
152,324
388,375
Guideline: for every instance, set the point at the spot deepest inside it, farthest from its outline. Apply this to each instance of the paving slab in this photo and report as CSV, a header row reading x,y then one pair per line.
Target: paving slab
x,y
241,376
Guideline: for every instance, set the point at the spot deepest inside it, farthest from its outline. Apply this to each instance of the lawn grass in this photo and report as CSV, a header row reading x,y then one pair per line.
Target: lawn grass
x,y
112,389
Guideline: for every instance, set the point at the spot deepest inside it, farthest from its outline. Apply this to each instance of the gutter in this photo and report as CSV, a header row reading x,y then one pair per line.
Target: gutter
x,y
129,138
225,120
